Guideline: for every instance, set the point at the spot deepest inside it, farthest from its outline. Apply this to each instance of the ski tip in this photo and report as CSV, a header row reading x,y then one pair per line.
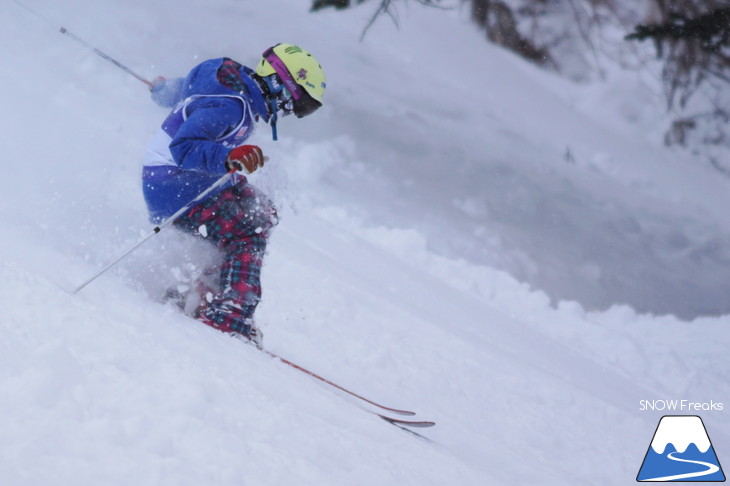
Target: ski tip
x,y
407,413
408,423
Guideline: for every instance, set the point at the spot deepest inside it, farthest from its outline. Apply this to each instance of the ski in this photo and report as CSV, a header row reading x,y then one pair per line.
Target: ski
x,y
407,423
335,385
392,420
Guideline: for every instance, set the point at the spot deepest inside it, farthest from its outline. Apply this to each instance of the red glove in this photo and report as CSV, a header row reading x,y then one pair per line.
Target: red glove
x,y
246,158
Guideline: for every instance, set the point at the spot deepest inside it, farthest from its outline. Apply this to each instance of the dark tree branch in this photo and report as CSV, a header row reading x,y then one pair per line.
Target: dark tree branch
x,y
387,7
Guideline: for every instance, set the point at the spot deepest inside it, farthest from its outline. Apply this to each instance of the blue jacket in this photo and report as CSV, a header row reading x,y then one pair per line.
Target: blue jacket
x,y
189,152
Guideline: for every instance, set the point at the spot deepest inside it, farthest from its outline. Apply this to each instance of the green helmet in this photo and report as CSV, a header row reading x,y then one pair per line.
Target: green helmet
x,y
300,73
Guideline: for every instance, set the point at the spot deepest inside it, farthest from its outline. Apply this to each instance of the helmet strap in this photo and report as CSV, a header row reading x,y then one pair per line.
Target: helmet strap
x,y
273,118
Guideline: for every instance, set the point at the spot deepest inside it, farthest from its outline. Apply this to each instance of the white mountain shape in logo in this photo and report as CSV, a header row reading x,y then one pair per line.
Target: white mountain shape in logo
x,y
681,431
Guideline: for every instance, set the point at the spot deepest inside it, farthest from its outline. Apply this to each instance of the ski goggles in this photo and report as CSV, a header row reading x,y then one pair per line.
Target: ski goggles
x,y
303,103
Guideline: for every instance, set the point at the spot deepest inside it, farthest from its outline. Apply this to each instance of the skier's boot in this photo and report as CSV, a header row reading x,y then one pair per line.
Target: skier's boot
x,y
176,297
249,333
254,333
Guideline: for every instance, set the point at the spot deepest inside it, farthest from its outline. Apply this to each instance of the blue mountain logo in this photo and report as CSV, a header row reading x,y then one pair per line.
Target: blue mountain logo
x,y
681,451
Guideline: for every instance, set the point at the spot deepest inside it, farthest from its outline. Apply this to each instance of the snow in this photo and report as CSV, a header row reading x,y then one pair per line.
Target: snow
x,y
436,251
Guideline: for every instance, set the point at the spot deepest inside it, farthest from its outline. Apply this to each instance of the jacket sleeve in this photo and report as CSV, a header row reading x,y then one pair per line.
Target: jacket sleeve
x,y
194,146
167,92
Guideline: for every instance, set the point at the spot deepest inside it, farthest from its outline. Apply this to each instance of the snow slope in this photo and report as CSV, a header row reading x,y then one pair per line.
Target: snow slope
x,y
407,213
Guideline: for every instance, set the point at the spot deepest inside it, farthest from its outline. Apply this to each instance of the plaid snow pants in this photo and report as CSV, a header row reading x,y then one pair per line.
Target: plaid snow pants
x,y
237,220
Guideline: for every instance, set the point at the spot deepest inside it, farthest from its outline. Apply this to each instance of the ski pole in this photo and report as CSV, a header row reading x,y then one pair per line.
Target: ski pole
x,y
157,229
118,64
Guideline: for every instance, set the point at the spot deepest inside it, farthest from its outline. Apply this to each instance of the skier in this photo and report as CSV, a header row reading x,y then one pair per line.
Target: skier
x,y
214,110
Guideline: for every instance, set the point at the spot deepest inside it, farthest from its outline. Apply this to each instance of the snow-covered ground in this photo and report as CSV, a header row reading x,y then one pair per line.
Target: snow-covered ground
x,y
437,251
